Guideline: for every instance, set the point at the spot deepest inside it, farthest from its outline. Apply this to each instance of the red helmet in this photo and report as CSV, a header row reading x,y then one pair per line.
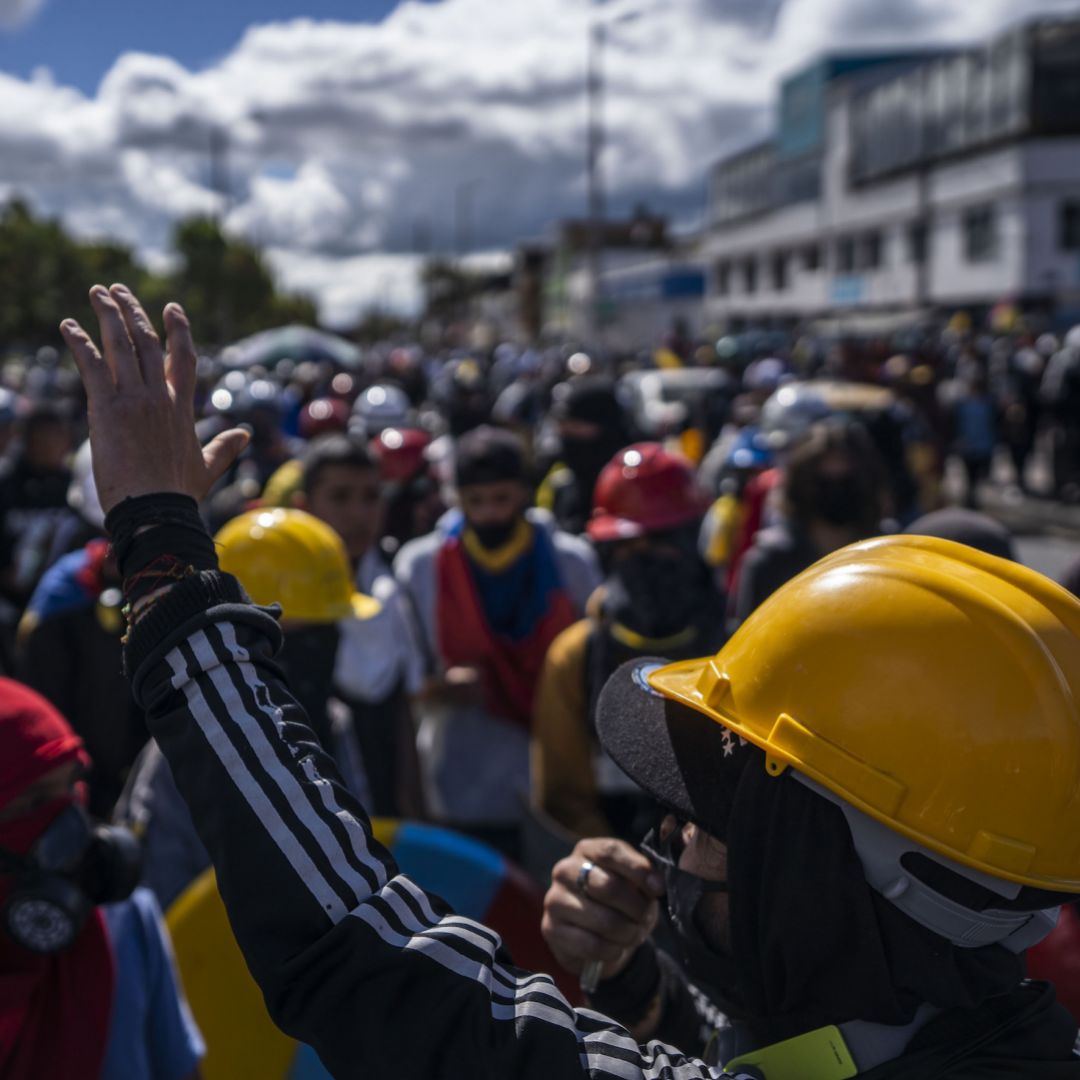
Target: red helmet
x,y
400,452
323,416
644,489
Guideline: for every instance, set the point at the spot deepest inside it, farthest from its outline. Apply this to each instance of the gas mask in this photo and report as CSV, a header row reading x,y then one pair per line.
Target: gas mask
x,y
71,868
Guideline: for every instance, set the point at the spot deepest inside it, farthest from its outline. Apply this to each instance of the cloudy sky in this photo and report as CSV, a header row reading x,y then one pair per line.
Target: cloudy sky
x,y
356,131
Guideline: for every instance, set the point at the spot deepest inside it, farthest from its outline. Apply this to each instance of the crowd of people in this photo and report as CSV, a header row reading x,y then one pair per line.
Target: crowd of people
x,y
495,578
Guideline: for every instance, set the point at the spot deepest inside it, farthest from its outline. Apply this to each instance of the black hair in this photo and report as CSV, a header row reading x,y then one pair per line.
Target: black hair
x,y
330,450
488,455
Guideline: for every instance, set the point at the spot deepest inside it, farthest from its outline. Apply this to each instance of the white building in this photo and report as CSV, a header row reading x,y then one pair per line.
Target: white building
x,y
905,185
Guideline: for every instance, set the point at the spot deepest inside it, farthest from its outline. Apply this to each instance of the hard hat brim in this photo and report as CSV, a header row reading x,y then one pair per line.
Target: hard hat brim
x,y
364,607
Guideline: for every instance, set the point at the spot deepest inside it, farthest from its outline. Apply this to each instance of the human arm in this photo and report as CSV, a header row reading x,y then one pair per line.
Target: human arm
x,y
352,957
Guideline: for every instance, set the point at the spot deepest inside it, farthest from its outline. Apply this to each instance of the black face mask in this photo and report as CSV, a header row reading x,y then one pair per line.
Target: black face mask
x,y
839,501
72,867
658,595
710,969
495,534
586,459
307,657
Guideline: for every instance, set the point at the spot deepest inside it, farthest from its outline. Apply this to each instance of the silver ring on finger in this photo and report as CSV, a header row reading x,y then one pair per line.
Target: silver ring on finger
x,y
587,868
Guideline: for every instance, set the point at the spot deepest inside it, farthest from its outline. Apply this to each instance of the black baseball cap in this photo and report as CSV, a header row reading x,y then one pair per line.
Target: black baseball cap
x,y
688,762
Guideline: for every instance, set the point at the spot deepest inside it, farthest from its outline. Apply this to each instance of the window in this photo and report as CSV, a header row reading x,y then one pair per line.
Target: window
x,y
779,271
845,255
750,275
723,278
980,234
1069,239
812,257
870,251
918,242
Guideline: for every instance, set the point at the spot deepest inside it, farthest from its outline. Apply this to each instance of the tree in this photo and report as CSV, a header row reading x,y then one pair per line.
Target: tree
x,y
45,274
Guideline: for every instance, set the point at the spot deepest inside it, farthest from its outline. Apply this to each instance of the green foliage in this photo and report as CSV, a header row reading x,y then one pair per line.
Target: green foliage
x,y
224,284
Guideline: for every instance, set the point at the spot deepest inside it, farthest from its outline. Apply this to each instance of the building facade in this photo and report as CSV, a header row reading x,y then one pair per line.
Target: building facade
x,y
907,185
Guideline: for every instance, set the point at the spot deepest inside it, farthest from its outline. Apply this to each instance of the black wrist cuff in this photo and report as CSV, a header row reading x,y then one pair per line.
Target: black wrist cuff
x,y
146,527
190,597
628,995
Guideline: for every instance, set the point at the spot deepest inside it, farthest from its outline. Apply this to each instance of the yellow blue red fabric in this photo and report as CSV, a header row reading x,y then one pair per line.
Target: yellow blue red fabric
x,y
501,623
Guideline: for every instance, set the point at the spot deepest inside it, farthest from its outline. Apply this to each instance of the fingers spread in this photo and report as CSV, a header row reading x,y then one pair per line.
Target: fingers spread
x,y
180,361
118,348
95,374
142,334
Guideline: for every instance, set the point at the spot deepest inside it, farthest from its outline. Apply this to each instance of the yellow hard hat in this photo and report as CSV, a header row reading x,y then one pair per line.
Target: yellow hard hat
x,y
928,685
291,558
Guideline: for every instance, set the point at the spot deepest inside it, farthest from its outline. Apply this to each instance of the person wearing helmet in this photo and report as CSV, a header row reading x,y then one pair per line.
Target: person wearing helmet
x,y
866,789
728,529
410,490
323,416
256,403
657,597
591,427
784,767
290,558
490,589
379,407
89,987
833,492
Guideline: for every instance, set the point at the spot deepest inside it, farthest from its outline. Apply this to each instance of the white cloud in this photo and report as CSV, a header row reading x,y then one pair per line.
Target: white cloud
x,y
16,13
341,140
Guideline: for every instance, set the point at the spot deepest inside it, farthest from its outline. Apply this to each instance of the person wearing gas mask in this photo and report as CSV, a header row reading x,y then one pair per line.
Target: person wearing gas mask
x,y
591,428
833,494
293,559
868,783
658,596
87,985
491,589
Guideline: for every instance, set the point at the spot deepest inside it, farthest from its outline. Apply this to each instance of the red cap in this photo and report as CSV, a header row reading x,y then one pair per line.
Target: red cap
x,y
323,416
34,739
644,489
400,452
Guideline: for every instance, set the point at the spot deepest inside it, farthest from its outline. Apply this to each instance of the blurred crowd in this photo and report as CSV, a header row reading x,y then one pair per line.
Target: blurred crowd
x,y
514,526
465,546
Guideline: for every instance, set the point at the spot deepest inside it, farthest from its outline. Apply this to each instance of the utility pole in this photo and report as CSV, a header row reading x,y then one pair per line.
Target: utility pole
x,y
463,216
218,153
594,150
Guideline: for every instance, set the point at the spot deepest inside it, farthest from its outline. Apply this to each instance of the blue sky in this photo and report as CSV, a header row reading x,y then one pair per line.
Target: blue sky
x,y
79,39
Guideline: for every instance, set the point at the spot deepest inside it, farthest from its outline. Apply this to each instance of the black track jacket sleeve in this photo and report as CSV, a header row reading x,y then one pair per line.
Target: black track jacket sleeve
x,y
353,958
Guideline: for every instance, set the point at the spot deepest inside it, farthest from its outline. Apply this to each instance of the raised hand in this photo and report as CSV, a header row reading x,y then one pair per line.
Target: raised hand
x,y
141,403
